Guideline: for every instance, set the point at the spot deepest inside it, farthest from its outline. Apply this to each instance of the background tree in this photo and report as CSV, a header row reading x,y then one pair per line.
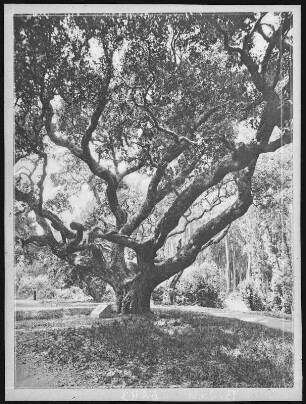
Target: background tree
x,y
153,95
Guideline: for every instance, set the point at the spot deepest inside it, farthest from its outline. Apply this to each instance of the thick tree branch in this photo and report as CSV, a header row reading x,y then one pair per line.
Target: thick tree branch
x,y
70,247
246,60
284,28
188,253
169,132
84,153
274,41
205,116
132,169
217,238
100,171
56,222
103,99
249,35
253,104
199,185
61,250
95,264
114,237
272,116
262,33
173,184
58,140
286,138
153,195
40,183
238,160
40,241
217,201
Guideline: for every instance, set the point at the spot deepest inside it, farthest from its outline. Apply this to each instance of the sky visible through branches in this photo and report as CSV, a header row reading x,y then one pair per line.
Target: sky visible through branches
x,y
138,182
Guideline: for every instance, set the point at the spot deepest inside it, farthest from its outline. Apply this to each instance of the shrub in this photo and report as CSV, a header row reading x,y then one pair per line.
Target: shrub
x,y
40,283
195,289
200,294
93,287
251,295
73,293
207,295
38,314
109,295
281,294
158,294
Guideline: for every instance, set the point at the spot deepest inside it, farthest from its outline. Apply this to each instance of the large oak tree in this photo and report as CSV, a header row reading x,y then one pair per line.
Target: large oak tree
x,y
157,94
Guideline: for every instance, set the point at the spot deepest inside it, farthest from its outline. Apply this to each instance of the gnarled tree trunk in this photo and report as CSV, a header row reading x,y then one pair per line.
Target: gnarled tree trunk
x,y
133,292
133,296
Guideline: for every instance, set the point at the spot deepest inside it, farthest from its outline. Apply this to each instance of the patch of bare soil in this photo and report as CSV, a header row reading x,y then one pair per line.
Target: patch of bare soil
x,y
30,374
36,371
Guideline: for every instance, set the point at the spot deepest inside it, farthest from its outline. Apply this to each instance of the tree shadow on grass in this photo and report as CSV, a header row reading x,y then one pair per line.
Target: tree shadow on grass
x,y
230,352
169,350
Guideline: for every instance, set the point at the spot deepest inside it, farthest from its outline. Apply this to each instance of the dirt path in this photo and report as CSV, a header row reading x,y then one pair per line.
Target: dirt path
x,y
31,373
73,322
271,322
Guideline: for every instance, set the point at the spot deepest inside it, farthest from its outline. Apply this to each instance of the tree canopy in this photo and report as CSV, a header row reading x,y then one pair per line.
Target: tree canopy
x,y
158,97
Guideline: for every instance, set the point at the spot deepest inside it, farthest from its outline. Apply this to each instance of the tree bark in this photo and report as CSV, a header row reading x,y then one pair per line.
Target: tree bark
x,y
248,274
133,296
234,272
227,268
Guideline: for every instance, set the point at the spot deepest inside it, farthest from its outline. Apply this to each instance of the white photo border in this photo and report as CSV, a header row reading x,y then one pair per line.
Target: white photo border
x,y
137,394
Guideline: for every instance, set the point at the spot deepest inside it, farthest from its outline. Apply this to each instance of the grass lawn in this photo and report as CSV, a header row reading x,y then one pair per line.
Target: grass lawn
x,y
165,350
